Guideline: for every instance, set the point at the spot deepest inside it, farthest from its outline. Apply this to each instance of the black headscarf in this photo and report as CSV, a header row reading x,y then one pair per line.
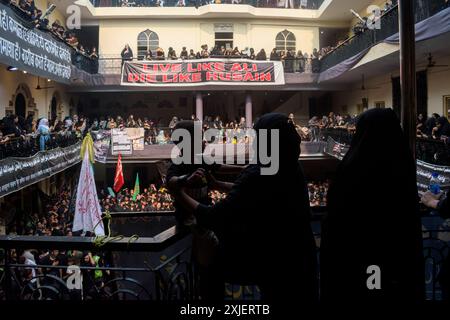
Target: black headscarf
x,y
373,216
289,139
444,129
265,220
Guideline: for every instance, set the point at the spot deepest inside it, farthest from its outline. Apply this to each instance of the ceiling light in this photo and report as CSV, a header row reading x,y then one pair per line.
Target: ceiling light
x,y
11,68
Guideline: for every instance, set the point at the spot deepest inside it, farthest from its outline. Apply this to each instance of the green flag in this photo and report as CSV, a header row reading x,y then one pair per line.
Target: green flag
x,y
136,190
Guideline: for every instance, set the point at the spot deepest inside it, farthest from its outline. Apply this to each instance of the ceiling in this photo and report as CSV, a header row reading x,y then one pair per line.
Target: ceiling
x,y
339,10
438,47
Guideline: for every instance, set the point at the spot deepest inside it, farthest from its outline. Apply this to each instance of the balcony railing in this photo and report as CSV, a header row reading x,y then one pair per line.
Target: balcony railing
x,y
370,37
79,59
113,65
173,278
431,151
169,279
29,145
310,4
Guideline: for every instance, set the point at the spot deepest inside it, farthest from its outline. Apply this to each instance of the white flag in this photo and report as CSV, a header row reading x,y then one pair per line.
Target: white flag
x,y
87,210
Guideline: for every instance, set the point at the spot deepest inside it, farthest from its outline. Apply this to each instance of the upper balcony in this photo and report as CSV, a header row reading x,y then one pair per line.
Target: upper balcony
x,y
366,37
31,44
311,4
312,10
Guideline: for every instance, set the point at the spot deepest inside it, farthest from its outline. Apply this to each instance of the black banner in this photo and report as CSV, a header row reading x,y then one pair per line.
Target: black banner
x,y
18,173
336,149
424,169
201,72
32,50
424,172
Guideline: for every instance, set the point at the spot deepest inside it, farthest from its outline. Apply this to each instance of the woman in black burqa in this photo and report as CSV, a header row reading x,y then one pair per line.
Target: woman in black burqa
x,y
263,225
373,217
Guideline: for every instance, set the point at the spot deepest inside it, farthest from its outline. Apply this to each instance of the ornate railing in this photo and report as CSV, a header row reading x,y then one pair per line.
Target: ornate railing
x,y
370,37
172,278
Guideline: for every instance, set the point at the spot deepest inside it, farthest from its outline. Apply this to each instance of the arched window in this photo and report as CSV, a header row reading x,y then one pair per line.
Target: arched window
x,y
285,41
147,40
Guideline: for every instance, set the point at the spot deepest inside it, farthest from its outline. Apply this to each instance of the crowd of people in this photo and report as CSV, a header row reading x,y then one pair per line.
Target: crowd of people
x,y
55,220
293,61
434,127
39,133
297,4
159,132
313,130
25,136
151,199
318,192
36,17
363,24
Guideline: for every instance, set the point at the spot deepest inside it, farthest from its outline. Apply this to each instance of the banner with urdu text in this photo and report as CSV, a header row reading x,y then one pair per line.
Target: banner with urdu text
x,y
202,72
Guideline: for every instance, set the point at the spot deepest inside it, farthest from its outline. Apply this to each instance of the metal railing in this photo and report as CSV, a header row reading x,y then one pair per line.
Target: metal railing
x,y
310,4
370,37
431,151
173,278
29,145
113,65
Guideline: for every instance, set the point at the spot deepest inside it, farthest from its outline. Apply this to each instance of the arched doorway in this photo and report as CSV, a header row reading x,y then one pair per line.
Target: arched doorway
x,y
53,109
20,105
22,102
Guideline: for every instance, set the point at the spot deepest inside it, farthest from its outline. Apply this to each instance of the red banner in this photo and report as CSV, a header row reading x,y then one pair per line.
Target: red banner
x,y
202,72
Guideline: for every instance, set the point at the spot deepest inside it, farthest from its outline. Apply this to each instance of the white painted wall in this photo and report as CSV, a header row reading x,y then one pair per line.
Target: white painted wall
x,y
438,87
377,89
257,34
42,98
380,89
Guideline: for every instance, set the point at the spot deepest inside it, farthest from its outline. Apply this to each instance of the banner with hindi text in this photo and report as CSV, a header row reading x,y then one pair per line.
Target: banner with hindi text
x,y
32,50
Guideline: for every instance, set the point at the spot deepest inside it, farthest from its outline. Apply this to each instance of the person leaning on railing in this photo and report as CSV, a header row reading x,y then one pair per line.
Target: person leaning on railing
x,y
44,133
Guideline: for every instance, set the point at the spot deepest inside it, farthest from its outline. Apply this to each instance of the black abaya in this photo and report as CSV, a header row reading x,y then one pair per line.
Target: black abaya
x,y
373,217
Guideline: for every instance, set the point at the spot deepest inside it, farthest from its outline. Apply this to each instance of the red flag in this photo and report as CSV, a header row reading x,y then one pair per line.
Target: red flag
x,y
118,179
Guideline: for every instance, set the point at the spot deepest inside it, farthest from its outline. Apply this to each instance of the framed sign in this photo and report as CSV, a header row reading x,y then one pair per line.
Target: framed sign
x,y
446,110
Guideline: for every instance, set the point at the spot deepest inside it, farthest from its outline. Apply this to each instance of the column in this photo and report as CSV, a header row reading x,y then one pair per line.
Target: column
x,y
408,70
248,110
199,106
